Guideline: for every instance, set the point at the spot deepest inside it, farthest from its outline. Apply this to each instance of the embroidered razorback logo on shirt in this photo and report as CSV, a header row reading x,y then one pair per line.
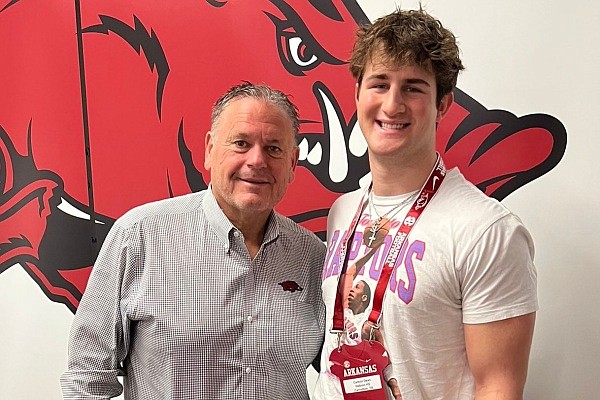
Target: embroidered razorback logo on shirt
x,y
290,286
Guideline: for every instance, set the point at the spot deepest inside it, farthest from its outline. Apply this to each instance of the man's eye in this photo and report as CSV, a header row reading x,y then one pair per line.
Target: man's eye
x,y
413,89
378,86
274,150
240,143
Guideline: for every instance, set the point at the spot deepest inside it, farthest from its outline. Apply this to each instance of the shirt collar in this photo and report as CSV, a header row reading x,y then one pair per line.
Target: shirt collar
x,y
223,226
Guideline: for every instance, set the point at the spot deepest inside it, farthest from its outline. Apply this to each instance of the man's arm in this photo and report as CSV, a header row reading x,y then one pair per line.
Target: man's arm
x,y
98,339
498,356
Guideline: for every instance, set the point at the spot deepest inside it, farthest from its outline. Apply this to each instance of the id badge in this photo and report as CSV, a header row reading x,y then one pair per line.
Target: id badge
x,y
360,370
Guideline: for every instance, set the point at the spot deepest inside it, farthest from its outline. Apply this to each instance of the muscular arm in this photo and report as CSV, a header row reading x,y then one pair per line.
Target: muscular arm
x,y
498,355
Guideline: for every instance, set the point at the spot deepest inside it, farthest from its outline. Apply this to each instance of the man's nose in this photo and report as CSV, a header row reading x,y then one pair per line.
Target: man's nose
x,y
393,103
257,157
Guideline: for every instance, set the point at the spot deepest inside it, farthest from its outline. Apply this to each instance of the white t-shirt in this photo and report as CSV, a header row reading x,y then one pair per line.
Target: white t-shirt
x,y
468,260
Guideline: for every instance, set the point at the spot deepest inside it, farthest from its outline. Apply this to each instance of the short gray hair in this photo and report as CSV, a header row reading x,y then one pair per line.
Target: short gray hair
x,y
259,92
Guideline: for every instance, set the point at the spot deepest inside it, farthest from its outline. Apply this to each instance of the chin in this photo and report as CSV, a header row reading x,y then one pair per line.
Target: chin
x,y
254,204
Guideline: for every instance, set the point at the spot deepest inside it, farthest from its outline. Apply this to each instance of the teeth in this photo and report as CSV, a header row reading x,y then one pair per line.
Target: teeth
x,y
392,126
357,143
365,180
338,153
68,208
338,158
303,147
315,155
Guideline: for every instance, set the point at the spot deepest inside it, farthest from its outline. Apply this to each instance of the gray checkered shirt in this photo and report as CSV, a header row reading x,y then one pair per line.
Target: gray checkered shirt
x,y
175,297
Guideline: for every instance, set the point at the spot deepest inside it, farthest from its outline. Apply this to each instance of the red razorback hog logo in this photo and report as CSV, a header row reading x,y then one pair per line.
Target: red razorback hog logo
x,y
290,286
104,106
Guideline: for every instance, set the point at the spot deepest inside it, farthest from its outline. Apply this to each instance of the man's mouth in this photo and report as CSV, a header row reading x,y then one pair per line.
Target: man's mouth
x,y
396,126
256,181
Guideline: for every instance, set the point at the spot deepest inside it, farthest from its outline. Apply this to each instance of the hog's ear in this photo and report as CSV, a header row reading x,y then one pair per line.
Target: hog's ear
x,y
496,150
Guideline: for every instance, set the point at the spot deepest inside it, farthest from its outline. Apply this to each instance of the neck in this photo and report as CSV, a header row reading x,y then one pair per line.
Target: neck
x,y
253,228
392,178
254,233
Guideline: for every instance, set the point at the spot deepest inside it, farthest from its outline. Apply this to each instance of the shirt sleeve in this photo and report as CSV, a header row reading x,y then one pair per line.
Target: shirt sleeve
x,y
99,336
499,279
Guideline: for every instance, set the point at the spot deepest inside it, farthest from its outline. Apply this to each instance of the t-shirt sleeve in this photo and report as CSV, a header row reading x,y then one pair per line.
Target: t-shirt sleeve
x,y
498,278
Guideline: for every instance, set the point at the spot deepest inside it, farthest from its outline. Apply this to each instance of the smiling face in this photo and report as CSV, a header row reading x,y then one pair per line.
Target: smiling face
x,y
251,155
290,47
397,112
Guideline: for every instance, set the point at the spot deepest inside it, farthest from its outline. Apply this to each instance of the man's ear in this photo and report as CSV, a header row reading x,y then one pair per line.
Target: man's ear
x,y
295,156
208,147
356,91
444,106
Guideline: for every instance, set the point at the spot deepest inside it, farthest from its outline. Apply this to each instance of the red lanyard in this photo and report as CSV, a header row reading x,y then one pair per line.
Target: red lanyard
x,y
427,192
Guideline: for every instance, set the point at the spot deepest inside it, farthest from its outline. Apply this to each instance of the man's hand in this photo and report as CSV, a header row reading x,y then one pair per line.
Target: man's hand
x,y
370,333
393,384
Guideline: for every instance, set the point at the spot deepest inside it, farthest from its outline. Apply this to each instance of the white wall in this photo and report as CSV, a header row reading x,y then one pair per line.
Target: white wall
x,y
522,56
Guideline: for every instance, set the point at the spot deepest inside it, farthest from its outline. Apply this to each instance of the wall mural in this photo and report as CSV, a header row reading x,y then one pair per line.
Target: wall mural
x,y
104,106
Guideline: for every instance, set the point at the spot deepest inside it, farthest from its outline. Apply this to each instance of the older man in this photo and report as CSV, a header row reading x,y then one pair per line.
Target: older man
x,y
210,295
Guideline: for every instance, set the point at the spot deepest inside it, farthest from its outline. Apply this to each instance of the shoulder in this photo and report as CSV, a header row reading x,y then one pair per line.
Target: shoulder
x,y
161,209
296,232
298,239
479,226
463,198
350,198
346,205
467,215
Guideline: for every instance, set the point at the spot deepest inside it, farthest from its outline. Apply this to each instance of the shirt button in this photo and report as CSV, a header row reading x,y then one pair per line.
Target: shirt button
x,y
250,319
236,233
248,370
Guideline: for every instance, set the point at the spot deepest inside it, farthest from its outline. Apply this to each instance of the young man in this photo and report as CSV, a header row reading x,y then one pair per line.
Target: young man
x,y
188,294
455,307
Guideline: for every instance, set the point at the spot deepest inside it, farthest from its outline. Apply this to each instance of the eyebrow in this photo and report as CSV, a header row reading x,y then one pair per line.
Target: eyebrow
x,y
376,77
384,76
242,135
418,81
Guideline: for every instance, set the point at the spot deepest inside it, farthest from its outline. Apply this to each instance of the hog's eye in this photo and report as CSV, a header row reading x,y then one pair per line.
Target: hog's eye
x,y
298,50
300,53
